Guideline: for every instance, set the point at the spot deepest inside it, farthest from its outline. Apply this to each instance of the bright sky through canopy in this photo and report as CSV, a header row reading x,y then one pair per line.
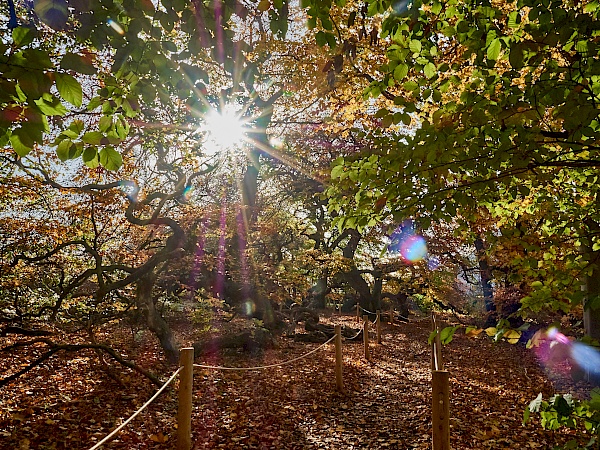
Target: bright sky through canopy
x,y
224,129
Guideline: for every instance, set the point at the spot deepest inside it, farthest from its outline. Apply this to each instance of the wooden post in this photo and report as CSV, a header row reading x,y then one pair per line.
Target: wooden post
x,y
437,363
391,314
184,407
440,394
339,381
357,313
366,337
379,326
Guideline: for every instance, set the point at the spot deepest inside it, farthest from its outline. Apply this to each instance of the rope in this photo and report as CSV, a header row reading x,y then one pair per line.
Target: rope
x,y
116,430
365,310
355,336
266,367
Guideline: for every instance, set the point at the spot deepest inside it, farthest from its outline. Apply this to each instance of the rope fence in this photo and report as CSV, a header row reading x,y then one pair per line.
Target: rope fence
x,y
134,415
186,374
203,366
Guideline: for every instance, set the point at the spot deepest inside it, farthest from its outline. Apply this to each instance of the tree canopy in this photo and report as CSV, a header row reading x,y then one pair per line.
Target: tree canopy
x,y
503,98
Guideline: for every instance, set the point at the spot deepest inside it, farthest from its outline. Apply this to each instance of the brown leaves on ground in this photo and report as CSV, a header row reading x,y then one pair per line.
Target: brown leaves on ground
x,y
70,402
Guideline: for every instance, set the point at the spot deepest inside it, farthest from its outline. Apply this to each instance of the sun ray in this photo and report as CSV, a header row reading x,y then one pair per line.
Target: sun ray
x,y
286,159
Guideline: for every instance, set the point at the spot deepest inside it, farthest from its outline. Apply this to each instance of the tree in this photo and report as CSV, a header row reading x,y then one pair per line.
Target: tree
x,y
126,87
504,101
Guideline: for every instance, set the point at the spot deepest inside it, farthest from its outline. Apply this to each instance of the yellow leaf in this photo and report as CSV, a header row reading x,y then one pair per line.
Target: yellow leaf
x,y
537,339
491,331
473,332
264,5
159,437
512,336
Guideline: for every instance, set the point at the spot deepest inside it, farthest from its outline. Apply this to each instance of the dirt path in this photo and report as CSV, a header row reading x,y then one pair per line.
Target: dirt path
x,y
71,404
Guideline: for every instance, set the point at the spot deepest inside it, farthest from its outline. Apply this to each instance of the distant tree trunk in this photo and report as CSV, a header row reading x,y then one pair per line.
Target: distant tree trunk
x,y
486,276
353,277
319,290
250,187
591,314
377,288
155,322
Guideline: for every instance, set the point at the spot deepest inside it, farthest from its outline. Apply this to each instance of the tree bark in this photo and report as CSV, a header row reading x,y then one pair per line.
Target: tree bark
x,y
486,276
591,313
155,321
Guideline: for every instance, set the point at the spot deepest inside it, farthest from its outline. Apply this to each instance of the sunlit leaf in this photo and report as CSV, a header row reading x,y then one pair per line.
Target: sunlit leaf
x,y
69,88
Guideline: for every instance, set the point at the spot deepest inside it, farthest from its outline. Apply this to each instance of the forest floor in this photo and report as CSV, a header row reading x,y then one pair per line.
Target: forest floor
x,y
70,402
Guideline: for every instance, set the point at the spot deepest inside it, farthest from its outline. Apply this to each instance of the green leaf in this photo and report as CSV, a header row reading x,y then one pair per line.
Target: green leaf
x,y
562,406
92,137
62,150
515,57
90,157
415,46
105,123
493,50
431,337
513,19
78,63
110,158
22,36
69,88
447,334
51,108
21,142
429,70
321,38
411,85
400,72
337,171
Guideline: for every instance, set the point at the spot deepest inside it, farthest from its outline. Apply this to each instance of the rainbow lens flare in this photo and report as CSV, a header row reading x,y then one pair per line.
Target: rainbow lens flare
x,y
115,26
554,349
186,195
414,248
411,246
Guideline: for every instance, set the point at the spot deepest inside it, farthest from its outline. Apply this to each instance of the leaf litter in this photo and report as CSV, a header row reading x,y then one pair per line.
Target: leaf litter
x,y
69,402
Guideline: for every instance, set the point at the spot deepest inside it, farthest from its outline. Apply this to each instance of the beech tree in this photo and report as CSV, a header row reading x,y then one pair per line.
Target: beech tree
x,y
503,99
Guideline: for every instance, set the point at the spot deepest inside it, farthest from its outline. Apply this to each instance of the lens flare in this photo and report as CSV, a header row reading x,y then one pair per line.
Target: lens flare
x,y
414,248
411,246
433,262
130,188
554,349
223,129
115,26
54,13
401,7
186,195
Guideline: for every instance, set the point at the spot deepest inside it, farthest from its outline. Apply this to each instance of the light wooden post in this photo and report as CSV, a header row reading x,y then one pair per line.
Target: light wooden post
x,y
437,362
366,337
440,394
339,381
184,407
391,314
379,326
357,313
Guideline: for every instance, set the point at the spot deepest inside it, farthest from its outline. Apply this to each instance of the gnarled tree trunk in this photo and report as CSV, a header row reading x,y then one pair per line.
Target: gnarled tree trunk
x,y
156,323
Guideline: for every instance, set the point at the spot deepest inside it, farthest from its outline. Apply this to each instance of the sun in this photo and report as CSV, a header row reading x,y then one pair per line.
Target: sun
x,y
224,129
